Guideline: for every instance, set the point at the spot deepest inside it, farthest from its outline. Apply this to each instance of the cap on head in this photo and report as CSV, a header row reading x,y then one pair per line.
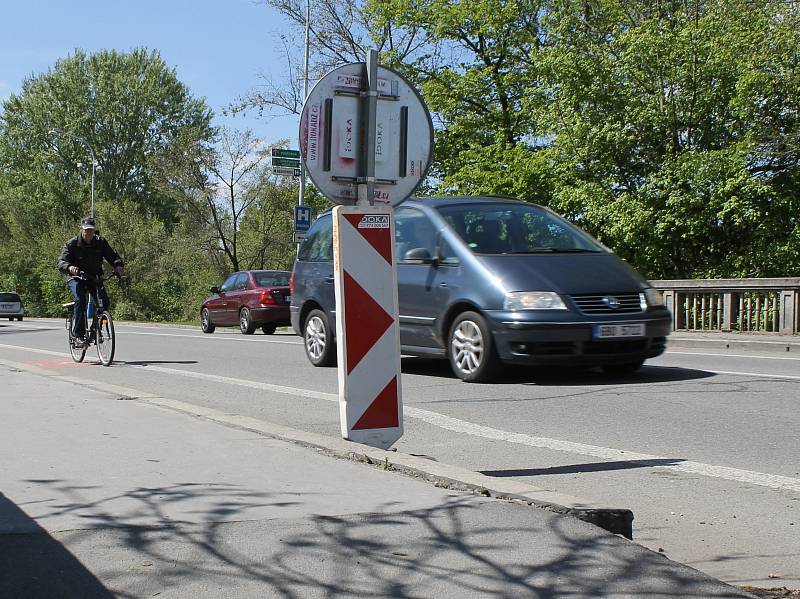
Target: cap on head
x,y
88,223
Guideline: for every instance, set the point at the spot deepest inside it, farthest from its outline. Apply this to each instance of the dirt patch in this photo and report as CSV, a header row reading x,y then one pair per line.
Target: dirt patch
x,y
772,593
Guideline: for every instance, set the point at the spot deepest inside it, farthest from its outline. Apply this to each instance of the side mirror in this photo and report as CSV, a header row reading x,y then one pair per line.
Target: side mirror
x,y
418,256
215,290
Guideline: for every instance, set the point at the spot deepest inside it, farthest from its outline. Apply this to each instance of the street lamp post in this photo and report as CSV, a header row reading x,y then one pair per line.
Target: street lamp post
x,y
91,152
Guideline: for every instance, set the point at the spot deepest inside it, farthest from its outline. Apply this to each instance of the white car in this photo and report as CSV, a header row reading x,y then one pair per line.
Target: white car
x,y
11,305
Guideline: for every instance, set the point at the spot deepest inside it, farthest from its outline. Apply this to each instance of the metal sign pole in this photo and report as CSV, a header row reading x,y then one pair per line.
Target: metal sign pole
x,y
302,193
366,188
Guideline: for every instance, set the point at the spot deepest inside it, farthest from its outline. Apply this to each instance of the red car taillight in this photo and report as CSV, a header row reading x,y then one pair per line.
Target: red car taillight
x,y
266,298
291,283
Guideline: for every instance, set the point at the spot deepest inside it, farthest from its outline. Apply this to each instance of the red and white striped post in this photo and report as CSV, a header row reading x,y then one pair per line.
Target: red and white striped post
x,y
367,330
366,138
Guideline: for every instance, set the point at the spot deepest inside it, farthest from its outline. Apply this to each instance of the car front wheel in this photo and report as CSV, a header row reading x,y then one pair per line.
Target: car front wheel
x,y
205,321
471,349
318,339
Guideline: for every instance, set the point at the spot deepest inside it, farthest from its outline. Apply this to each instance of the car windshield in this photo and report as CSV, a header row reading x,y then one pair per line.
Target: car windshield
x,y
272,279
9,297
495,228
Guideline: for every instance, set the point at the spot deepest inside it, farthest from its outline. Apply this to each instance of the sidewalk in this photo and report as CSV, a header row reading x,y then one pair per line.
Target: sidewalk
x,y
103,494
736,341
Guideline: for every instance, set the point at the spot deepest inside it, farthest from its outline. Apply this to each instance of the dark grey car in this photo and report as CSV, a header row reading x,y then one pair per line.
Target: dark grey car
x,y
11,305
484,281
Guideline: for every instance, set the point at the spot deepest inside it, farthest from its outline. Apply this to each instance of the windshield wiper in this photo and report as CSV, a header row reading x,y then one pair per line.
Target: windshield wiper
x,y
555,251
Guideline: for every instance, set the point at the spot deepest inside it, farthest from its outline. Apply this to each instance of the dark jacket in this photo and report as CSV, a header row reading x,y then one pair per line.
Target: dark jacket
x,y
87,256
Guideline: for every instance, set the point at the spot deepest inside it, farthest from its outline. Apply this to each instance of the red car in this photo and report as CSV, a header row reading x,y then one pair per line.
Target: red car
x,y
251,299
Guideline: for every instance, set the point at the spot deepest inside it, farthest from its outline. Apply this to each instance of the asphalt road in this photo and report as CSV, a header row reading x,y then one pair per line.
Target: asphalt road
x,y
703,446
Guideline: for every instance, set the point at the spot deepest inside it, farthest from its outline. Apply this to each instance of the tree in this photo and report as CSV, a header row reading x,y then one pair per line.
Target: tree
x,y
475,63
125,108
237,167
673,125
479,77
341,32
135,116
241,211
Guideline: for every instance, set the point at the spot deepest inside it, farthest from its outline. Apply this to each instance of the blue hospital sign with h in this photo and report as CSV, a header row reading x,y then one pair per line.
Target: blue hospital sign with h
x,y
302,218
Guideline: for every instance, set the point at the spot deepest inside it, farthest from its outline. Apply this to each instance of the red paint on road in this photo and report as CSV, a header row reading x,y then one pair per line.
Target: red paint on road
x,y
56,363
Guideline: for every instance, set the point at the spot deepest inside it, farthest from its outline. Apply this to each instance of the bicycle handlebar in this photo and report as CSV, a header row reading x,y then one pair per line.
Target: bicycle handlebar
x,y
123,279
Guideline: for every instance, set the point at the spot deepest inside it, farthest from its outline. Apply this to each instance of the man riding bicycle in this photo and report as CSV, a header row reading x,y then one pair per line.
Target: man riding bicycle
x,y
84,254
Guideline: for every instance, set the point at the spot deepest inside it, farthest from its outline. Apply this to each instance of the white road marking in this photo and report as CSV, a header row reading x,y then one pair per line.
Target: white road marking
x,y
47,352
759,375
217,338
772,481
122,329
244,383
749,356
606,453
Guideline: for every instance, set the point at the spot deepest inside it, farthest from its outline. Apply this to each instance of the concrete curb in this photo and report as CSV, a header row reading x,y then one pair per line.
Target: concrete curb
x,y
615,520
728,342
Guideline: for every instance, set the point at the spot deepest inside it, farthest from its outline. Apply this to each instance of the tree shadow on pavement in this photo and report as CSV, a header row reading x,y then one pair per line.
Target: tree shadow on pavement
x,y
33,564
463,547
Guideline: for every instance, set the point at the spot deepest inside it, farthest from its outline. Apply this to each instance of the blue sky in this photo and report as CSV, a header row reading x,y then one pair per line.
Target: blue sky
x,y
218,47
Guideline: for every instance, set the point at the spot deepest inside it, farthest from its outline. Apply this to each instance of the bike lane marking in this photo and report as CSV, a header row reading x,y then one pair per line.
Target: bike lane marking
x,y
57,363
122,327
748,356
773,481
220,338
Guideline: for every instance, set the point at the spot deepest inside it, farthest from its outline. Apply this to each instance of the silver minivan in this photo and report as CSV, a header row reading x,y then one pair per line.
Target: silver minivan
x,y
485,281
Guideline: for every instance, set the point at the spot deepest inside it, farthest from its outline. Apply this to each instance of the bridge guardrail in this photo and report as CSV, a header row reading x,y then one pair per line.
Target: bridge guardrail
x,y
733,305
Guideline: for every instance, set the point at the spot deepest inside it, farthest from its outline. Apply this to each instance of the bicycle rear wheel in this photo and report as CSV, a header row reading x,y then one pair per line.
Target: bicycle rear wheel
x,y
104,338
76,350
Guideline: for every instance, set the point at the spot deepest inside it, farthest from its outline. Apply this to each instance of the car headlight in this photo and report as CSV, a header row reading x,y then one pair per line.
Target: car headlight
x,y
533,300
654,297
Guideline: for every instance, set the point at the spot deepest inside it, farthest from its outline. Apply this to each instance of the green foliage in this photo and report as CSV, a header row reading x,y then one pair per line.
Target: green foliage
x,y
125,109
670,130
658,112
152,142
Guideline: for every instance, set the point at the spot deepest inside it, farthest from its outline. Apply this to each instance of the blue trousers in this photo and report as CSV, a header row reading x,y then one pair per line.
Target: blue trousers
x,y
80,289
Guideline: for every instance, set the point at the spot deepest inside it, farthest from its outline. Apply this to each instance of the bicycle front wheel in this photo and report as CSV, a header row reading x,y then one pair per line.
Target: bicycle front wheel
x,y
76,350
104,338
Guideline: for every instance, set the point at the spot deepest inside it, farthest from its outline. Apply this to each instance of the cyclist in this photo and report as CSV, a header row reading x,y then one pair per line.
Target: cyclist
x,y
84,254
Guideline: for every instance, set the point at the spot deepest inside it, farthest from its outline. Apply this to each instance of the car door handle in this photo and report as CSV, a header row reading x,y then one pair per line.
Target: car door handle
x,y
442,284
329,279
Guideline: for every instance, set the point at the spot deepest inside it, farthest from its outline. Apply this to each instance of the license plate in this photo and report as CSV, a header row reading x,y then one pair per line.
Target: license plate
x,y
610,331
7,307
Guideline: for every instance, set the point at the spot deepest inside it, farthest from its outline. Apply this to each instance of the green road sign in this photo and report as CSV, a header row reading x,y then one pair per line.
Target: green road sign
x,y
281,153
286,171
290,162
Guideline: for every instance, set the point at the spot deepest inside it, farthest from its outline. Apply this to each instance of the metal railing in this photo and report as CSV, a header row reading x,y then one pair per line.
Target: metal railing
x,y
741,305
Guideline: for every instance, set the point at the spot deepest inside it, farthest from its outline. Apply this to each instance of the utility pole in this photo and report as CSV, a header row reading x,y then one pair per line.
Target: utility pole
x,y
302,194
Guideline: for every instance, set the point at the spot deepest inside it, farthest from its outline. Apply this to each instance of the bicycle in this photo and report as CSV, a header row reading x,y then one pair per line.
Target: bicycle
x,y
98,324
